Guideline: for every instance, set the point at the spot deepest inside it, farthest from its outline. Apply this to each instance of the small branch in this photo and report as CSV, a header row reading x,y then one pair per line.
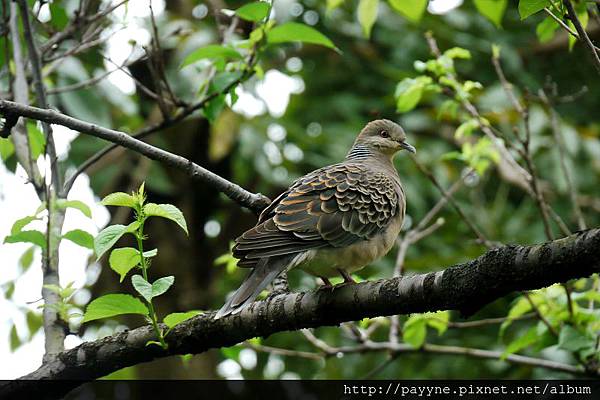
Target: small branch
x,y
583,36
488,321
247,199
283,352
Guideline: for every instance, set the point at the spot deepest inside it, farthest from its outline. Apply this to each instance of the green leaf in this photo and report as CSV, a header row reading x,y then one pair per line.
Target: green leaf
x,y
522,341
176,318
76,204
297,32
582,15
333,4
151,253
119,199
81,238
27,258
214,107
122,260
438,320
492,10
571,339
161,285
142,286
7,148
530,7
409,92
149,291
35,237
15,341
415,330
254,11
110,235
367,15
22,223
113,304
546,30
412,9
37,142
59,16
167,211
211,52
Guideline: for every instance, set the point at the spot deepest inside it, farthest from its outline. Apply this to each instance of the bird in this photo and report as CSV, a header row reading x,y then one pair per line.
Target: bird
x,y
330,222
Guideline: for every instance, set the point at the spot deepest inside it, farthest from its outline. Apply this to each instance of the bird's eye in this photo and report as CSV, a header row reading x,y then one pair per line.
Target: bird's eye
x,y
384,134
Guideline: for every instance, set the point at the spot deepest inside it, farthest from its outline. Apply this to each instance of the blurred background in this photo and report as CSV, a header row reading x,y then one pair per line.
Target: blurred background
x,y
302,113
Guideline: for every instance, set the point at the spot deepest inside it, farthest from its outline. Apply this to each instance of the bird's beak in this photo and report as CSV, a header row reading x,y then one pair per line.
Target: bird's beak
x,y
408,147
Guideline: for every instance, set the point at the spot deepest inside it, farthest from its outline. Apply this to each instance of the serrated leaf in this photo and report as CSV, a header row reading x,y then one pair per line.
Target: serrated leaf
x,y
119,199
297,32
26,259
81,238
76,204
167,211
142,286
493,10
253,11
19,224
110,235
415,330
122,260
411,9
367,15
114,304
211,52
530,7
176,318
35,237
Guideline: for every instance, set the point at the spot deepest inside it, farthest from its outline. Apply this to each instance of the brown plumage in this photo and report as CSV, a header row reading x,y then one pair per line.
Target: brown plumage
x,y
334,220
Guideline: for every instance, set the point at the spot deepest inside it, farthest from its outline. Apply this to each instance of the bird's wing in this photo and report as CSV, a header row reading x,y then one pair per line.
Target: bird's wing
x,y
334,206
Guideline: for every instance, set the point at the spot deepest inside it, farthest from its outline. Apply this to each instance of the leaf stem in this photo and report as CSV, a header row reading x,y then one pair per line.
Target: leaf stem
x,y
144,266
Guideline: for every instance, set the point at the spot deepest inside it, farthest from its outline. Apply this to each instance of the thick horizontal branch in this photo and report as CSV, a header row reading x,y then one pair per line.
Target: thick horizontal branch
x,y
253,201
465,287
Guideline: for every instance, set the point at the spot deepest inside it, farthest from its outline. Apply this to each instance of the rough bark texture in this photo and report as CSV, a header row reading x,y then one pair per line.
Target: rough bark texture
x,y
465,287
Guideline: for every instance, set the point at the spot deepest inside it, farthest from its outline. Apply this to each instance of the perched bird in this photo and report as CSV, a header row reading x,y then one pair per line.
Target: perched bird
x,y
334,220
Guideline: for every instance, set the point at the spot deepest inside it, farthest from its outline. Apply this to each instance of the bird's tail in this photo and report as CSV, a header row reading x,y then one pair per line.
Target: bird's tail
x,y
265,271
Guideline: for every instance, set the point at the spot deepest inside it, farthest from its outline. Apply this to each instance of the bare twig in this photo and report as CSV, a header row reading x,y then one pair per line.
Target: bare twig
x,y
583,36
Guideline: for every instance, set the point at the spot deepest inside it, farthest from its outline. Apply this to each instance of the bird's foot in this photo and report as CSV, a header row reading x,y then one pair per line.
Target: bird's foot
x,y
326,284
347,278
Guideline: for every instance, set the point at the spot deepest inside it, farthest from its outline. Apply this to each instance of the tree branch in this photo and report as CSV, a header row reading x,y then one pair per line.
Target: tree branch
x,y
583,36
465,287
253,201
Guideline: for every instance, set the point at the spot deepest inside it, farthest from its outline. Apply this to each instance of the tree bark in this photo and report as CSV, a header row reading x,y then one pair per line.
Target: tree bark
x,y
465,287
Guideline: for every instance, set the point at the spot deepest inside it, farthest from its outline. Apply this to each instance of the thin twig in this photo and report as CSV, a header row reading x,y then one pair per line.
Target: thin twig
x,y
583,36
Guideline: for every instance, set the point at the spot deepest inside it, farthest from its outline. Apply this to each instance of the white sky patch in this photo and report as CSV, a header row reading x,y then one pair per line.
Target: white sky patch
x,y
443,6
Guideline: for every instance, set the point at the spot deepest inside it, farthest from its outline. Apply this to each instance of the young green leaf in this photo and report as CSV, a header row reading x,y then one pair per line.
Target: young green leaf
x,y
119,199
81,238
35,237
167,211
411,9
530,7
409,92
161,285
492,10
7,148
142,286
253,11
415,330
37,141
114,304
76,204
571,339
522,341
22,223
546,29
367,15
211,52
296,32
333,4
176,318
27,258
122,260
110,235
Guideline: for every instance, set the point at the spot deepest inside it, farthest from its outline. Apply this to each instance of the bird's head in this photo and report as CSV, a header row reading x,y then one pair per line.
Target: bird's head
x,y
384,136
